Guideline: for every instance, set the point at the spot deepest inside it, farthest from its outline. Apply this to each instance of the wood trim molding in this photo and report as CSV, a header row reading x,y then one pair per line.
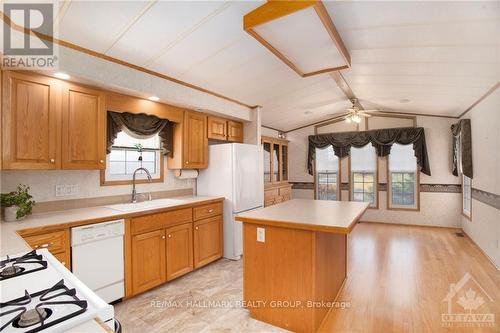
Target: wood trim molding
x,y
103,56
383,114
480,99
273,10
104,182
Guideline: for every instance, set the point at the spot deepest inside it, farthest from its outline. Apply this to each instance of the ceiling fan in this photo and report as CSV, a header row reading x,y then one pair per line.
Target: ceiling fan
x,y
355,114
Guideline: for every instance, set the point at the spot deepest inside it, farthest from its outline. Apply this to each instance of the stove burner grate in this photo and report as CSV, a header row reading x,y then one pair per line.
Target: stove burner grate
x,y
40,317
21,265
32,317
11,271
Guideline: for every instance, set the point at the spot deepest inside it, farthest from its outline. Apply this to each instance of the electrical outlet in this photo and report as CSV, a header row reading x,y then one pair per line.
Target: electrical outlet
x,y
67,190
261,235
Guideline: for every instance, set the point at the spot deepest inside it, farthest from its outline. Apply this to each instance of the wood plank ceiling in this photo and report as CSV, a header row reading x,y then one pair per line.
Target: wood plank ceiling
x,y
412,56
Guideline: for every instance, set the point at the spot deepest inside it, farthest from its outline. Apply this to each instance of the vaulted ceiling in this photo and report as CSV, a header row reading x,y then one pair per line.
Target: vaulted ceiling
x,y
425,57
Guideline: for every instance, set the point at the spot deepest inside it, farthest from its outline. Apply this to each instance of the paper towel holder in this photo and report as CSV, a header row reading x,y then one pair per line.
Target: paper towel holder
x,y
186,174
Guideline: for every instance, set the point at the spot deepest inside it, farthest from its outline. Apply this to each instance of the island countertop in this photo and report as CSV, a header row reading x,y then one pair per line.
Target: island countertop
x,y
315,215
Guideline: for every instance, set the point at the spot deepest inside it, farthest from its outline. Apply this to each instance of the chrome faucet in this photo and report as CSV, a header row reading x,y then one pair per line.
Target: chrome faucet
x,y
134,192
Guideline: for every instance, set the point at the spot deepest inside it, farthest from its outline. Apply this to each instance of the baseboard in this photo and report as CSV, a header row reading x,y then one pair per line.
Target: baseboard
x,y
480,249
411,225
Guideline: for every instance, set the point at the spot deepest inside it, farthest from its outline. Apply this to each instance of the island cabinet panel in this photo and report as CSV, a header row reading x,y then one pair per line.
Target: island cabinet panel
x,y
207,240
292,283
179,250
31,117
83,128
148,260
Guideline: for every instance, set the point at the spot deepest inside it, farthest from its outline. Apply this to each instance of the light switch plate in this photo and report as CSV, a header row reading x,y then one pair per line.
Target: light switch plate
x,y
261,235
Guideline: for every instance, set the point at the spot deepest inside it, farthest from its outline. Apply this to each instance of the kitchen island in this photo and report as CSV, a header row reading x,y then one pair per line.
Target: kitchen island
x,y
295,260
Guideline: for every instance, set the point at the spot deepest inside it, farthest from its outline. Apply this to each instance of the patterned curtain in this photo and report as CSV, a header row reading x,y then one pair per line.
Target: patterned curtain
x,y
462,148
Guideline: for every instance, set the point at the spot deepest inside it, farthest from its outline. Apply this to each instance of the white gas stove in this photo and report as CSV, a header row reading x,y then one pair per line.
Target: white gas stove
x,y
38,294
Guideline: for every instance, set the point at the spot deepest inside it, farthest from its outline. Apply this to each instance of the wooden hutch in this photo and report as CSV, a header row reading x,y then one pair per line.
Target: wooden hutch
x,y
276,186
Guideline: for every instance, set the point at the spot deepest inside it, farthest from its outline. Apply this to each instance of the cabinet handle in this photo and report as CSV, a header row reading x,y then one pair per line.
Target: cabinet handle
x,y
169,236
101,161
52,160
187,162
43,246
196,228
211,210
162,237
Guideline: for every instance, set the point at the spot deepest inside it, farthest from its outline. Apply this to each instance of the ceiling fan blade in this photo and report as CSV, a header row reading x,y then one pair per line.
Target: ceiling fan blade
x,y
366,115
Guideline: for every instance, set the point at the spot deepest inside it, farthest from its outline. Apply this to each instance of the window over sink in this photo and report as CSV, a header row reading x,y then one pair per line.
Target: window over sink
x,y
129,153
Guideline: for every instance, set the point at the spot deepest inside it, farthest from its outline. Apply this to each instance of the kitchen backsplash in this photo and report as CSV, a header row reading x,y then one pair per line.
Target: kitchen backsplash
x,y
79,184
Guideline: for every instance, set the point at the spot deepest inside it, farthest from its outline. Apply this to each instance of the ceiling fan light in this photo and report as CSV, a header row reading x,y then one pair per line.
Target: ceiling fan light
x,y
348,120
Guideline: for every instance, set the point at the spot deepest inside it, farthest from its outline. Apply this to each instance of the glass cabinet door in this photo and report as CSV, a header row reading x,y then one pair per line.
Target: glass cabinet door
x,y
284,163
276,162
267,162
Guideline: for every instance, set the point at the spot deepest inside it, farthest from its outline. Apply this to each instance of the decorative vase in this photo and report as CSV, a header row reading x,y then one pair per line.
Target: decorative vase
x,y
10,214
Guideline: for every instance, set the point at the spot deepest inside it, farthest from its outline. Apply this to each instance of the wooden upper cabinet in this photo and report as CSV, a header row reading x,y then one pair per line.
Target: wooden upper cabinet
x,y
217,128
179,250
83,130
30,122
148,260
224,130
234,131
195,145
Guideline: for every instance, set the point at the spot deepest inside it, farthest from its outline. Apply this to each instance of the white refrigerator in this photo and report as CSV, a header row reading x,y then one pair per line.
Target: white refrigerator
x,y
235,171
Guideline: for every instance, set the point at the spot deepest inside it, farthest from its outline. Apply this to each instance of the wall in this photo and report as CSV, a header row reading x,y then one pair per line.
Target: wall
x,y
484,226
438,207
43,183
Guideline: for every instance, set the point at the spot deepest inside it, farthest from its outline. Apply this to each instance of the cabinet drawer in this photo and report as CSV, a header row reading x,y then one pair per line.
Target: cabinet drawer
x,y
270,194
161,220
285,193
209,210
55,242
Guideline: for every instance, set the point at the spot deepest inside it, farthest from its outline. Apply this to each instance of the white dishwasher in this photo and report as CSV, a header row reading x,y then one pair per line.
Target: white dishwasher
x,y
97,258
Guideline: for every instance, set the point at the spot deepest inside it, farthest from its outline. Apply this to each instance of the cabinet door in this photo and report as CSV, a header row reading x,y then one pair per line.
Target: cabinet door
x,y
207,240
234,131
148,260
217,128
284,163
31,122
195,147
83,130
267,161
179,250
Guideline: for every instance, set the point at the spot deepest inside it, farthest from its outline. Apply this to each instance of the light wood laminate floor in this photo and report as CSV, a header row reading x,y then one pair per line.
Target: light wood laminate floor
x,y
398,277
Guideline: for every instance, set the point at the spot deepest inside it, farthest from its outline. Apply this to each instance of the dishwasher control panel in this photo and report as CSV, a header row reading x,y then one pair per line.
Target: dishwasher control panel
x,y
98,231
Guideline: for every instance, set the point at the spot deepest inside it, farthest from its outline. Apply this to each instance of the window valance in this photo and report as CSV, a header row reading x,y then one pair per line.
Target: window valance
x,y
381,139
462,148
140,126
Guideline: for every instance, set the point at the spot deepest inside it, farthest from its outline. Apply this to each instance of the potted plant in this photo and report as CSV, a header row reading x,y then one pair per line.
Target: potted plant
x,y
17,204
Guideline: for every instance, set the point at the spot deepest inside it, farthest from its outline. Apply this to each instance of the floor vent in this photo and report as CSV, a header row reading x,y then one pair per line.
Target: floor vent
x,y
459,234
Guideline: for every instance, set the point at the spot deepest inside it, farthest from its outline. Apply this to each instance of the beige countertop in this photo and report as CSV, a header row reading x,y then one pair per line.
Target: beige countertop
x,y
12,243
314,215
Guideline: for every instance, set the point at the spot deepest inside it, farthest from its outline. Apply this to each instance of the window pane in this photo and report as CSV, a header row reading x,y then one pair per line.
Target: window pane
x,y
131,166
116,168
368,187
148,156
132,155
358,187
397,177
368,177
409,177
150,166
117,155
368,197
357,196
358,177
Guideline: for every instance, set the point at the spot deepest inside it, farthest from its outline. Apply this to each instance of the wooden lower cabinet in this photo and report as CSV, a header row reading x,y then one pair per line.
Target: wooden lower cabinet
x,y
207,240
179,250
57,242
163,246
276,194
148,260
